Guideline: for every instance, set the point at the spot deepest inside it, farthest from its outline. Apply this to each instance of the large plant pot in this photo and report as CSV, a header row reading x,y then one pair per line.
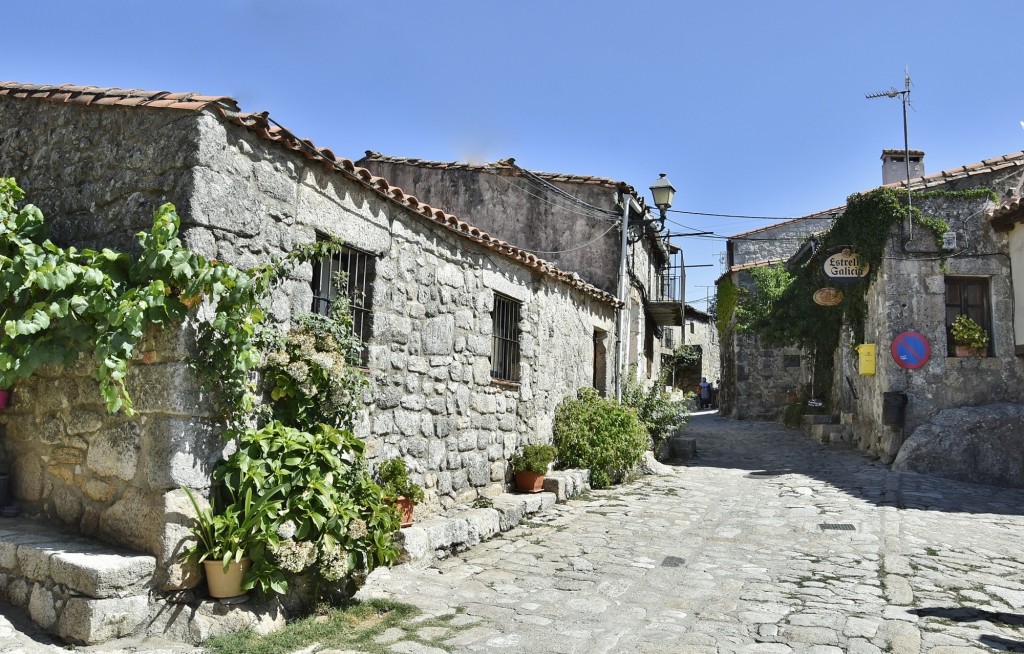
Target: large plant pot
x,y
225,584
5,398
529,482
405,506
968,351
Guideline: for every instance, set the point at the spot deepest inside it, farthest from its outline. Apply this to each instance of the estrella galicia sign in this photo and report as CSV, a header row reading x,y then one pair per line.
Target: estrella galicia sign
x,y
843,265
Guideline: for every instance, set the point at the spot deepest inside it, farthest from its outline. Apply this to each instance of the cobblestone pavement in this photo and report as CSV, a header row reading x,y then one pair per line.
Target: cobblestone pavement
x,y
725,555
729,554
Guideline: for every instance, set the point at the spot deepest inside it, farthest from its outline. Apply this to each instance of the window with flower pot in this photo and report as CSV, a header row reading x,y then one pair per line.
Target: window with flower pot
x,y
358,269
968,296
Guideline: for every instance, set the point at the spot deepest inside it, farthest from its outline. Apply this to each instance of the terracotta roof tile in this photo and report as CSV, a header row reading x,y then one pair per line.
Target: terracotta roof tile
x,y
1007,215
226,108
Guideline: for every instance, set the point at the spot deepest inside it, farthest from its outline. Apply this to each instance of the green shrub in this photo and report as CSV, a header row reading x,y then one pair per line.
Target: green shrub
x,y
596,433
533,458
656,409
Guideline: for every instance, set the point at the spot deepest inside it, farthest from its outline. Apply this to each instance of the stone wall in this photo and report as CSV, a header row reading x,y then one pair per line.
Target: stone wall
x,y
243,200
434,402
114,477
779,241
909,294
758,380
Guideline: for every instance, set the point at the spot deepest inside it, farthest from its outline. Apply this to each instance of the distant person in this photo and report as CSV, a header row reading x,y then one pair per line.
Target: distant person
x,y
704,393
714,394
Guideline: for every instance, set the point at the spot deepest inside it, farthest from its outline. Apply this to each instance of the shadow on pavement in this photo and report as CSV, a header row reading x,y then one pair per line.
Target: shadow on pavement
x,y
968,614
770,450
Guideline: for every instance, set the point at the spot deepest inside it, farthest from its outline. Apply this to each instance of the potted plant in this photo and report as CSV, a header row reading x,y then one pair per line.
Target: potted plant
x,y
530,465
395,482
223,538
969,337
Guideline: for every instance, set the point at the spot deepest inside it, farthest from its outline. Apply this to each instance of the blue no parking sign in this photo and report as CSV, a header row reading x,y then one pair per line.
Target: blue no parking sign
x,y
910,350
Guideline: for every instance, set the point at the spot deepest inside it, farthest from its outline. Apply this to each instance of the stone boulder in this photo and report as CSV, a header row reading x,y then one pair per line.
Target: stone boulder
x,y
979,444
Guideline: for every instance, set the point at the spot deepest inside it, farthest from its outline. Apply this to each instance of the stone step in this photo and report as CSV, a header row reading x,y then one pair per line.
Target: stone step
x,y
84,591
463,526
825,433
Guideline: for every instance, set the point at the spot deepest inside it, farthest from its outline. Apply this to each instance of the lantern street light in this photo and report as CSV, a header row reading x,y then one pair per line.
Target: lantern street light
x,y
663,193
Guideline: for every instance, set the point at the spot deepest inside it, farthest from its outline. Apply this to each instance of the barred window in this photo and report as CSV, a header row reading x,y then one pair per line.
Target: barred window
x,y
505,339
358,269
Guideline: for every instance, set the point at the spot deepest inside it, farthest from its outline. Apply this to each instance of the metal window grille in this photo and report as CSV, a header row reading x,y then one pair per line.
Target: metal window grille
x,y
505,339
969,296
358,270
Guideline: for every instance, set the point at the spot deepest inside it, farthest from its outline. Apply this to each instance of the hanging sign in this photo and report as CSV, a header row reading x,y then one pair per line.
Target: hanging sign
x,y
910,350
828,297
844,266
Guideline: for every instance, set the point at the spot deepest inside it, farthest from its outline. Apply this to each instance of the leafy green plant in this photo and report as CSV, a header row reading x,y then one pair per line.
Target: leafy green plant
x,y
596,433
968,333
228,532
656,409
395,481
533,458
331,517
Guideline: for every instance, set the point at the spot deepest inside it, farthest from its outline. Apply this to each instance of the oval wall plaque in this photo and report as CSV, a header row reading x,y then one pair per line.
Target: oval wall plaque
x,y
844,266
828,297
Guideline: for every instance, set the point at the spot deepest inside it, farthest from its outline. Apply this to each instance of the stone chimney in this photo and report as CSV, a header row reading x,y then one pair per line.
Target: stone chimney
x,y
894,167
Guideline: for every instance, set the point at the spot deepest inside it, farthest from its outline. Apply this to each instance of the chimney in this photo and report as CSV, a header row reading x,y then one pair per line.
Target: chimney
x,y
894,166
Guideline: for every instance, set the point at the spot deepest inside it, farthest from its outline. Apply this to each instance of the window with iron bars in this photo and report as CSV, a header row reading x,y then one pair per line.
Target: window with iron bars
x,y
358,270
505,339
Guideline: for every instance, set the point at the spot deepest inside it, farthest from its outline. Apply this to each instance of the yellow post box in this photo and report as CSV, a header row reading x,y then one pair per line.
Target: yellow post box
x,y
866,358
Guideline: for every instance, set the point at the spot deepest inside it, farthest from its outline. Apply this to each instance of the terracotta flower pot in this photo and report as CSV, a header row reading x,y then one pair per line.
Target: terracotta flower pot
x,y
968,351
529,482
225,584
5,398
405,506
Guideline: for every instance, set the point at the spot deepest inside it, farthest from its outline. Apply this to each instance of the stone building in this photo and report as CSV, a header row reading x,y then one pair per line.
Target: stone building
x,y
758,380
940,413
575,222
922,286
470,342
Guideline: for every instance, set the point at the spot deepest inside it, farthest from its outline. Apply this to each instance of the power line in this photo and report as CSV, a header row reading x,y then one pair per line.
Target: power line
x,y
732,215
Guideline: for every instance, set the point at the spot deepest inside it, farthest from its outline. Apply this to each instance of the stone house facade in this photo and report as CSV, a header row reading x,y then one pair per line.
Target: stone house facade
x,y
470,342
922,286
573,220
758,380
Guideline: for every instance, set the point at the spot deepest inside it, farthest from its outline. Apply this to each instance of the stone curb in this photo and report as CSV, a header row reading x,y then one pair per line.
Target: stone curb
x,y
464,526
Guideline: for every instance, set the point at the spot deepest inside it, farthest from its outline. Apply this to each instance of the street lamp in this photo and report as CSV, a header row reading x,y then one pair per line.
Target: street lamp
x,y
663,193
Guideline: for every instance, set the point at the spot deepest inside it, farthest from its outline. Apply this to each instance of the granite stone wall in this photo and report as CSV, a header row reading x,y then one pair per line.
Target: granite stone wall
x,y
909,294
244,200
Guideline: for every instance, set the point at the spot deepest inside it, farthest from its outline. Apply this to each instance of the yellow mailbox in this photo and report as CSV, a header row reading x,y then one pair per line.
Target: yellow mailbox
x,y
866,358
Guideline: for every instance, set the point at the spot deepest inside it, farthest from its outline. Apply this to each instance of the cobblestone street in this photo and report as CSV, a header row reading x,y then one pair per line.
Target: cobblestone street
x,y
768,542
728,554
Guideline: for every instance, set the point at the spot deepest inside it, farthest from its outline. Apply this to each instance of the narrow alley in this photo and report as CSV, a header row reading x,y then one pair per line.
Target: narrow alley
x,y
768,542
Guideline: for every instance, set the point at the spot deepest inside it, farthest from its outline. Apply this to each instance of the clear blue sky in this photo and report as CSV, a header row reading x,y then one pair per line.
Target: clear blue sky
x,y
751,107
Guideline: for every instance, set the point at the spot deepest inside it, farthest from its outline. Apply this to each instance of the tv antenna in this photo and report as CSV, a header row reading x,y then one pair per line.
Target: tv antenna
x,y
904,95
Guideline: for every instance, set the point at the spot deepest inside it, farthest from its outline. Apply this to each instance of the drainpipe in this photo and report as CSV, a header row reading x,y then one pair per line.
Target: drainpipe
x,y
628,202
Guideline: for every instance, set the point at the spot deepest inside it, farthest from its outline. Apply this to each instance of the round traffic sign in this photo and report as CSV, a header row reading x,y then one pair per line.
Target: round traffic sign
x,y
910,350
